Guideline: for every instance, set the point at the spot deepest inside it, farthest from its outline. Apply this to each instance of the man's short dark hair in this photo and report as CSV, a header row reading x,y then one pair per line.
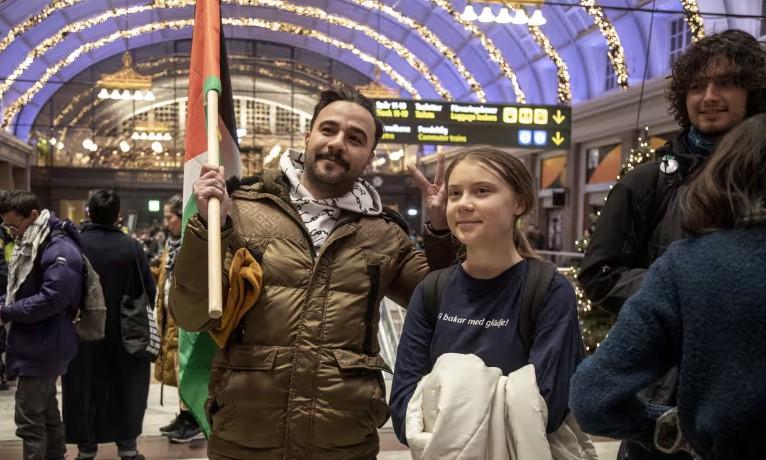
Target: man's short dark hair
x,y
748,70
342,94
104,207
20,202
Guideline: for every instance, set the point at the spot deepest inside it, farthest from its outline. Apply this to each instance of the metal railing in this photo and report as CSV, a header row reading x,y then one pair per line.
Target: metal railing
x,y
562,258
391,324
106,178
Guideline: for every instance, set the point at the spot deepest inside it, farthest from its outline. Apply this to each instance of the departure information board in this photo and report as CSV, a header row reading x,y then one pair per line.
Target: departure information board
x,y
453,123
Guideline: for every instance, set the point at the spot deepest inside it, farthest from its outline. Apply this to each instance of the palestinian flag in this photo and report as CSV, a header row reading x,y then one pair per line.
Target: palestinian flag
x,y
209,71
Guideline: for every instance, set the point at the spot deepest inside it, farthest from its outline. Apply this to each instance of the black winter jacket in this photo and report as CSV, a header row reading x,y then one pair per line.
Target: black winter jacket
x,y
639,221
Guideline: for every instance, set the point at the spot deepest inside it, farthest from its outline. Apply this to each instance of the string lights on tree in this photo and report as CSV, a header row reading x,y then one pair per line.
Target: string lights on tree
x,y
595,322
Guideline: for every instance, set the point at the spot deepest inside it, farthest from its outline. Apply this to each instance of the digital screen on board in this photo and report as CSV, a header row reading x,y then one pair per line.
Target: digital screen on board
x,y
453,123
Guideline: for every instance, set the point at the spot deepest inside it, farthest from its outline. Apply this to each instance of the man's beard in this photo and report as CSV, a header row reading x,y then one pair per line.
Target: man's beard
x,y
341,182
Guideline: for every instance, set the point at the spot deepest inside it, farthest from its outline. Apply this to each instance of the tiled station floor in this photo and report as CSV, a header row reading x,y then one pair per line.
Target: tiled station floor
x,y
156,447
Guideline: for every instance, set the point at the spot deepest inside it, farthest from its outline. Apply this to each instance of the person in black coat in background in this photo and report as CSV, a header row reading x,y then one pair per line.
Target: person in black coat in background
x,y
105,390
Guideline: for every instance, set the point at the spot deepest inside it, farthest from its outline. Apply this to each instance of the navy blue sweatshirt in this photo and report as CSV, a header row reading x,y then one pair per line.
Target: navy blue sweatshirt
x,y
480,316
702,308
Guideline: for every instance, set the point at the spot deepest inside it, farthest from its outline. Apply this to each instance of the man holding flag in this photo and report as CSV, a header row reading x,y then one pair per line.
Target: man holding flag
x,y
298,376
301,377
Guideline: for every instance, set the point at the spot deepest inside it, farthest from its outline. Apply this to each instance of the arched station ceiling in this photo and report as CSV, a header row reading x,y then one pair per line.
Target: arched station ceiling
x,y
423,48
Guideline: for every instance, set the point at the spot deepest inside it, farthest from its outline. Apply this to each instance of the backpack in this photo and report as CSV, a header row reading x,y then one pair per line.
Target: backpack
x,y
536,285
90,317
90,320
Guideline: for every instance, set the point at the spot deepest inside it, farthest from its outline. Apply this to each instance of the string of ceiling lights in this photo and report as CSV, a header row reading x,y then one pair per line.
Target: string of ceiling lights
x,y
316,13
690,8
431,38
13,109
62,118
303,11
614,48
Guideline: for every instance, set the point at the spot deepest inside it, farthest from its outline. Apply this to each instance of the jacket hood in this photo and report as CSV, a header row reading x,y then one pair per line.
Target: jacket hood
x,y
67,226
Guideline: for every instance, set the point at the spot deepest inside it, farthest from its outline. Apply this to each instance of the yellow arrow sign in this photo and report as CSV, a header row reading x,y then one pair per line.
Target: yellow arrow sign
x,y
559,117
558,139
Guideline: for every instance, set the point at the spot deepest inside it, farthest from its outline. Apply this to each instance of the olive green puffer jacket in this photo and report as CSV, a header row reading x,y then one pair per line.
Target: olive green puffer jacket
x,y
302,378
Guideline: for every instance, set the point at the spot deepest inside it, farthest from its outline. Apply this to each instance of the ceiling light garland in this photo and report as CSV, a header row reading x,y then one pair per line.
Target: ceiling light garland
x,y
276,26
564,88
315,13
234,66
234,62
45,45
73,102
614,48
694,19
322,15
431,38
425,32
240,68
13,109
78,117
494,53
34,20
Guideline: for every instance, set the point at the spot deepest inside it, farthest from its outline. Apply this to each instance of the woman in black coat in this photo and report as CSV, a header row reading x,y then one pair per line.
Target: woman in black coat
x,y
105,390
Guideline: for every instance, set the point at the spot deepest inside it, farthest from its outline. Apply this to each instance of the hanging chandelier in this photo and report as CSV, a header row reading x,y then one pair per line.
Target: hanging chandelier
x,y
126,84
504,16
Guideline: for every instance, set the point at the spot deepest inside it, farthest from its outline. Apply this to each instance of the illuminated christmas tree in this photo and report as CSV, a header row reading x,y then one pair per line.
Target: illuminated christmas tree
x,y
595,322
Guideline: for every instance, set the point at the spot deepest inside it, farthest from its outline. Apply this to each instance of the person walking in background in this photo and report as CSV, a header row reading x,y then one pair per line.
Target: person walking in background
x,y
45,279
701,309
105,390
184,428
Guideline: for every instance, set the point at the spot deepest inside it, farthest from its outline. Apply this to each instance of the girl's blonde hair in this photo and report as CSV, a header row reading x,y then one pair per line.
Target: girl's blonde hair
x,y
515,174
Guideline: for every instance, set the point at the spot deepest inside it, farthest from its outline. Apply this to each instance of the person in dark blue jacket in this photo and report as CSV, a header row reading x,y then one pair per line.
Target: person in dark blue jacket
x,y
488,191
44,289
701,309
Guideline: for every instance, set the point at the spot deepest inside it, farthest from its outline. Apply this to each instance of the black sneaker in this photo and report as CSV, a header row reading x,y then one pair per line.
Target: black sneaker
x,y
135,457
188,431
174,425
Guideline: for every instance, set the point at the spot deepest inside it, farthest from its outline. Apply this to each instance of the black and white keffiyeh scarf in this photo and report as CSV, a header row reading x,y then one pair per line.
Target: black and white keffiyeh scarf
x,y
25,253
173,244
320,216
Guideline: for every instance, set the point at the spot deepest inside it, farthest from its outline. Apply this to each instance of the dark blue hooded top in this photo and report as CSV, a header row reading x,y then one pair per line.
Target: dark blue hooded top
x,y
42,339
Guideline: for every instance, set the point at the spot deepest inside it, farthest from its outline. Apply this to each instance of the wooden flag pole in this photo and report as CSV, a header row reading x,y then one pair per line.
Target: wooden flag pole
x,y
214,270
